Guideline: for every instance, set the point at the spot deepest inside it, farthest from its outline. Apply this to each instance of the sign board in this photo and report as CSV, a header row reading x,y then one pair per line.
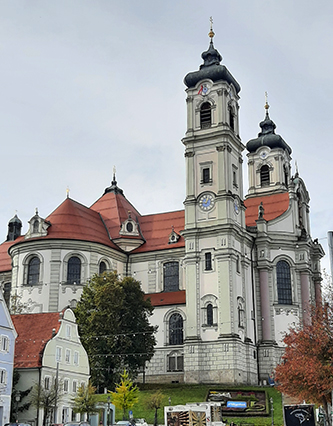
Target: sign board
x,y
296,415
236,404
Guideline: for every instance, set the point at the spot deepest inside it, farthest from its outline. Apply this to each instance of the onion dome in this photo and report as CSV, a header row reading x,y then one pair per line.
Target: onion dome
x,y
267,136
113,187
14,228
211,68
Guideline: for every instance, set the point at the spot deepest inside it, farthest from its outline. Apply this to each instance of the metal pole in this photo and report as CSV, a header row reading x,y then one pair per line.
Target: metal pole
x,y
56,394
272,410
108,418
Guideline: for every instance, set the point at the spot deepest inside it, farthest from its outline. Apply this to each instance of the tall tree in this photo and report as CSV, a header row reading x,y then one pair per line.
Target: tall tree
x,y
126,394
306,370
85,401
113,318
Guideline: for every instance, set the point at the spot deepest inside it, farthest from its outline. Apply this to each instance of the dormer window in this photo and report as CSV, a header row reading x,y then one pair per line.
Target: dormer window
x,y
129,227
205,115
35,226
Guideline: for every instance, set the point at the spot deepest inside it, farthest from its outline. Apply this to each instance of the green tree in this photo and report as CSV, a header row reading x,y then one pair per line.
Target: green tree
x,y
126,394
85,401
154,402
47,399
18,406
306,370
113,318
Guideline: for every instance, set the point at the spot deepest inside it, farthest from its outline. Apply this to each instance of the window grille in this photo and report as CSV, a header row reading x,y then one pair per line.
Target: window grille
x,y
264,175
74,270
33,271
176,362
205,115
171,276
283,279
208,261
176,330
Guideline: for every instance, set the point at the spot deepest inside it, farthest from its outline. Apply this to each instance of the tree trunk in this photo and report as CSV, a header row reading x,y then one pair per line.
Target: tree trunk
x,y
155,419
328,417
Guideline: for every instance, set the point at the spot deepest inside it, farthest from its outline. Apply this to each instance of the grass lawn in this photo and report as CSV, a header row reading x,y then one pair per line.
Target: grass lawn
x,y
181,394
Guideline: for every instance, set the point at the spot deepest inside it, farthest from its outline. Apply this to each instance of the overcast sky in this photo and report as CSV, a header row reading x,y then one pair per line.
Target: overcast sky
x,y
89,84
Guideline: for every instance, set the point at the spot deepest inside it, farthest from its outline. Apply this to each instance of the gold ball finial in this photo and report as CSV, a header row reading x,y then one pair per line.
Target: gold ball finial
x,y
211,32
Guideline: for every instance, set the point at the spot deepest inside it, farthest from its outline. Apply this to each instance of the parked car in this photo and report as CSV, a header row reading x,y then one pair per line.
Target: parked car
x,y
123,423
77,424
140,422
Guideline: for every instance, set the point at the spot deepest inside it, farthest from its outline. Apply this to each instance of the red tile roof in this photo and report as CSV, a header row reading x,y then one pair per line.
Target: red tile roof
x,y
274,205
167,298
114,209
33,332
156,229
5,259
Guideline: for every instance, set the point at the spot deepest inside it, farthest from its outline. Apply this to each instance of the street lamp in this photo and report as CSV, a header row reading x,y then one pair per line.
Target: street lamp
x,y
17,399
272,410
108,413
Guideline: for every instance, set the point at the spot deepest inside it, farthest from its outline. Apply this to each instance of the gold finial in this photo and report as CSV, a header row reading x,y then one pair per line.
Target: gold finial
x,y
211,32
266,102
67,192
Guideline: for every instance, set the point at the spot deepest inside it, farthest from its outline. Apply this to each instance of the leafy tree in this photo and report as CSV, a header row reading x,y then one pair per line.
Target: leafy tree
x,y
46,399
306,370
85,401
126,394
154,402
23,405
113,318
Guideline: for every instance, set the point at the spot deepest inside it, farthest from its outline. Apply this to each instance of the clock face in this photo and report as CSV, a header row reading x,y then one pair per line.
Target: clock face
x,y
263,155
236,206
206,201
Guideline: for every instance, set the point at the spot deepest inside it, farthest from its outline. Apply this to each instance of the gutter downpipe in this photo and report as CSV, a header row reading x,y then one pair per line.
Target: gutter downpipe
x,y
254,309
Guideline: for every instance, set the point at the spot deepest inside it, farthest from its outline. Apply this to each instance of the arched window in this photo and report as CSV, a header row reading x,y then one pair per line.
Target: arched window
x,y
264,175
74,270
285,175
35,226
209,312
176,329
33,271
171,276
205,115
241,313
102,267
283,280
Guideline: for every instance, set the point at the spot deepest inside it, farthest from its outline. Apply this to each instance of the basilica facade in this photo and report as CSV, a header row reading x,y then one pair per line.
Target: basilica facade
x,y
227,274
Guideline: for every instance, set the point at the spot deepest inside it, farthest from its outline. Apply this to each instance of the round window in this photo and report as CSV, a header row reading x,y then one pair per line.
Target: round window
x,y
129,227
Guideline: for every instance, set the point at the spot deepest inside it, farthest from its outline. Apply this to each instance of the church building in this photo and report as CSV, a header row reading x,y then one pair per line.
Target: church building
x,y
227,274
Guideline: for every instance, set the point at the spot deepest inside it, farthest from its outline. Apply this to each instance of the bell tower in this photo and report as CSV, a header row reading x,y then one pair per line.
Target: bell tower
x,y
217,247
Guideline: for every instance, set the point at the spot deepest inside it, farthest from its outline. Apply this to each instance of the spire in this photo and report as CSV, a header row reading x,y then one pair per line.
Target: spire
x,y
114,188
14,228
211,56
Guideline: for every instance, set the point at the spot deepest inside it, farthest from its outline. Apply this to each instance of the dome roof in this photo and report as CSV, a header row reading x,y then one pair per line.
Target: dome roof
x,y
15,219
211,69
267,137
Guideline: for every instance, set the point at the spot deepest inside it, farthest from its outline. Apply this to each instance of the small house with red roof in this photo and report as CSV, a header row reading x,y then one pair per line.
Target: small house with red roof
x,y
48,348
227,273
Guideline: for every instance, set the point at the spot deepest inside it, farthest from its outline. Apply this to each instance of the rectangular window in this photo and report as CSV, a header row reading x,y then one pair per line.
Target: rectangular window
x,y
205,175
66,385
47,383
58,354
74,386
76,358
176,362
68,356
4,343
68,331
171,276
208,261
3,377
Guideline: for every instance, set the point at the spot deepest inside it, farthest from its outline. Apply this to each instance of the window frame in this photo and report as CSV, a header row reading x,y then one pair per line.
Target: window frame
x,y
178,358
286,284
33,277
175,330
205,115
265,178
74,270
